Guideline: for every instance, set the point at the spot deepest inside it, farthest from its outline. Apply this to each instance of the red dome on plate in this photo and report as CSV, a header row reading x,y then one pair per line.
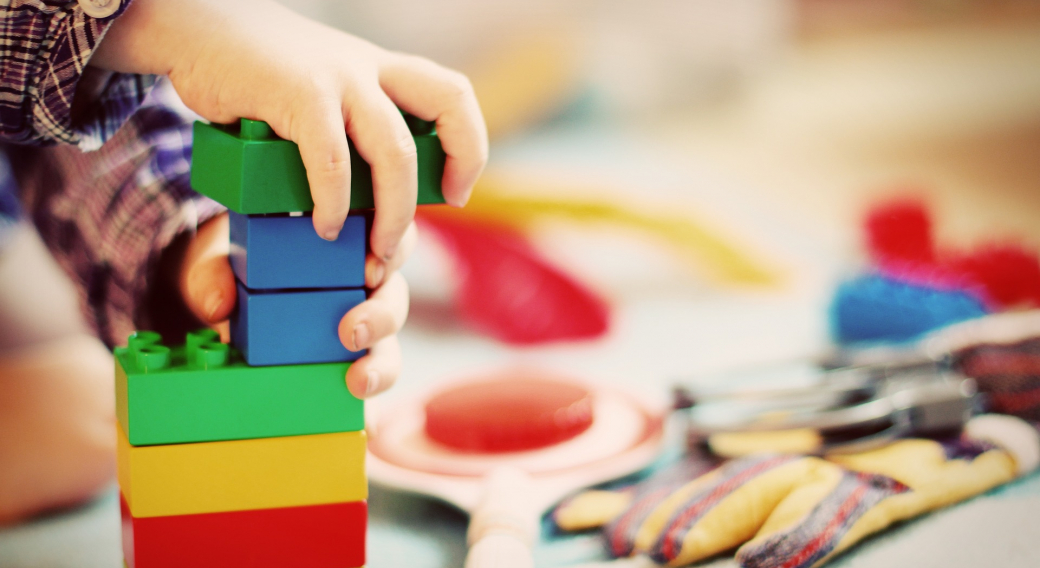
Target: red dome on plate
x,y
508,413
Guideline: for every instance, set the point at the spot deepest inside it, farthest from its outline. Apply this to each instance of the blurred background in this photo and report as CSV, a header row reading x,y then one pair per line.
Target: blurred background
x,y
703,168
771,126
694,174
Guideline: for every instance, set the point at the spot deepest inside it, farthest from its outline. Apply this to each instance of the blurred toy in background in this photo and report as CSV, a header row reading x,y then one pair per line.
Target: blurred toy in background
x,y
509,291
799,511
914,286
507,446
850,409
877,307
1004,274
857,399
785,508
717,257
1001,353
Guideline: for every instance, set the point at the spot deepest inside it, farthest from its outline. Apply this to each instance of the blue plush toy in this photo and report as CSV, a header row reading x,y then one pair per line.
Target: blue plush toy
x,y
874,307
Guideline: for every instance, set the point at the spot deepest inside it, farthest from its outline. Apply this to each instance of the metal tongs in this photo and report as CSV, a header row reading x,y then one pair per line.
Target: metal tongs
x,y
853,406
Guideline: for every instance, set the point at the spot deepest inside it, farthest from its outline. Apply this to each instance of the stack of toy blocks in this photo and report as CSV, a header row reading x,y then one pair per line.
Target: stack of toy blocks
x,y
252,455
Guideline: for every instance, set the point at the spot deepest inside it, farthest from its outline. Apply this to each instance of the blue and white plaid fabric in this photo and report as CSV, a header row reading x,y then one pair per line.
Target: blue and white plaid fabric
x,y
108,215
10,211
111,191
45,46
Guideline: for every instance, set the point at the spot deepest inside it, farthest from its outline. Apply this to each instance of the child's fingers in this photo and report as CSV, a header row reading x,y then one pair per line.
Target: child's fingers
x,y
382,138
207,282
382,315
377,270
211,290
377,371
320,133
432,92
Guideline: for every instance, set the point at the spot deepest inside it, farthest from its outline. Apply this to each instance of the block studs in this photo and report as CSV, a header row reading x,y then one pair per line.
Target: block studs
x,y
149,354
255,130
140,339
152,357
203,349
210,355
199,337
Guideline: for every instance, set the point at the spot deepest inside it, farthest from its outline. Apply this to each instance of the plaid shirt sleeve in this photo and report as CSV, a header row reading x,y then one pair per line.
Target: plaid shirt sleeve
x,y
107,216
44,49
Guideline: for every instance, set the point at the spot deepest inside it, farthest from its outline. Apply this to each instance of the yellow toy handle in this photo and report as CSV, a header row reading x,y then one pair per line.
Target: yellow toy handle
x,y
718,257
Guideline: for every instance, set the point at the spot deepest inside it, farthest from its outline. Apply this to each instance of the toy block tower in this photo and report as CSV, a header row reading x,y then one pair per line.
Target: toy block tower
x,y
252,454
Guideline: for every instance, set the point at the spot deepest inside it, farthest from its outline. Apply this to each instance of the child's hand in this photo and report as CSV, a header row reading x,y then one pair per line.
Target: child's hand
x,y
207,286
256,59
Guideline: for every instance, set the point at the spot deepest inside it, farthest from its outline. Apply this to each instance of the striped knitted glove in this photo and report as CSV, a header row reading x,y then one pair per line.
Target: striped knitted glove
x,y
799,511
1002,354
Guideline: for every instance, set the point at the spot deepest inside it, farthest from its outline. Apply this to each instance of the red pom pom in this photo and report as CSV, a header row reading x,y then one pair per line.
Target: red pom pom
x,y
1008,273
900,232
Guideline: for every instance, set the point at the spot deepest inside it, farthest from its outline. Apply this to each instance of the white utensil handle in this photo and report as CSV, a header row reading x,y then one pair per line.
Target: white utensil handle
x,y
499,550
504,525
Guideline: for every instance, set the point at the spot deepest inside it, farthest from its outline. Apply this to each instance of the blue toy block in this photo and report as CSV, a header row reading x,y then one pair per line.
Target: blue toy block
x,y
292,327
876,308
271,252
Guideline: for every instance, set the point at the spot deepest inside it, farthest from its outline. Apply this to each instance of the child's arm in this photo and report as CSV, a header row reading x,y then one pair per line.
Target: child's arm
x,y
110,216
49,93
255,59
122,222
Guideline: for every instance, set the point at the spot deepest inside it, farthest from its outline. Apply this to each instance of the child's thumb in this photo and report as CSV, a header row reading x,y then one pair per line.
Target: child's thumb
x,y
211,290
207,282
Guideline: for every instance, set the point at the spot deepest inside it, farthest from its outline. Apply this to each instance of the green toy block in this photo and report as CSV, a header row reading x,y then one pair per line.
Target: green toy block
x,y
203,392
250,170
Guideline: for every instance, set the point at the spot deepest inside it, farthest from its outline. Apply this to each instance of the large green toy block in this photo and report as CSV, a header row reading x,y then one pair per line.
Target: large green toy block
x,y
203,391
250,170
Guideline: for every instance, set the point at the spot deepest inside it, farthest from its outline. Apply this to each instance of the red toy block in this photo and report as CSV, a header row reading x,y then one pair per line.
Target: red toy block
x,y
316,536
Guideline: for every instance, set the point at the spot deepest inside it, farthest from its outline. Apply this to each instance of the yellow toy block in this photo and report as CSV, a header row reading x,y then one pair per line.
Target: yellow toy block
x,y
237,475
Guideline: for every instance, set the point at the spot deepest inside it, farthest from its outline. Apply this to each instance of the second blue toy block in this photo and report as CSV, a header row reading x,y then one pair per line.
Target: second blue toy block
x,y
292,327
278,252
